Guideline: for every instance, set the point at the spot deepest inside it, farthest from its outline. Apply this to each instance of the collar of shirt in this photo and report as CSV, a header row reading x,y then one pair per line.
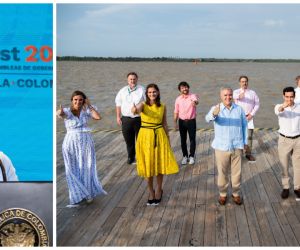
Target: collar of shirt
x,y
131,90
185,96
222,106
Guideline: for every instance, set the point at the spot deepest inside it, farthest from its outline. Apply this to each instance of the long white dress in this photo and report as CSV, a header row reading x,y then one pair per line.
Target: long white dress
x,y
80,159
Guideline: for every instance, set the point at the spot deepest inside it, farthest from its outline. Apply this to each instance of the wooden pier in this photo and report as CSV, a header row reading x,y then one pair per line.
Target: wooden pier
x,y
189,214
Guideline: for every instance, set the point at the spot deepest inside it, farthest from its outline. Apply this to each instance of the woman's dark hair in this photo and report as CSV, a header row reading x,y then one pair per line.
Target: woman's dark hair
x,y
183,84
157,100
288,89
78,92
75,93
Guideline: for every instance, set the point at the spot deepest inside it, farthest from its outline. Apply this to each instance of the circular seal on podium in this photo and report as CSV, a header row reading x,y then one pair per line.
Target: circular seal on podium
x,y
22,228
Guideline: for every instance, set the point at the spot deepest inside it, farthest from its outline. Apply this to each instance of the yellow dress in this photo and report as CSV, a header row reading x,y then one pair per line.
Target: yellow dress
x,y
153,152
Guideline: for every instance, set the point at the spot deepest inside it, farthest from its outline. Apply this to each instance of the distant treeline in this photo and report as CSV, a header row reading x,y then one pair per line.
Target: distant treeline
x,y
166,59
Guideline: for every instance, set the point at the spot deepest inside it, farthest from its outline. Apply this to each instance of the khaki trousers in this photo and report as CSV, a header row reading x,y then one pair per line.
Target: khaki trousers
x,y
226,160
250,141
287,147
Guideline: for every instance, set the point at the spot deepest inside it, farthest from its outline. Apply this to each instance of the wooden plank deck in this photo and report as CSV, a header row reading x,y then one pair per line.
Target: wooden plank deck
x,y
189,214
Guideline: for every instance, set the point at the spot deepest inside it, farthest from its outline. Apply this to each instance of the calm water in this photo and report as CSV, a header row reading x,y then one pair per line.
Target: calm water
x,y
102,80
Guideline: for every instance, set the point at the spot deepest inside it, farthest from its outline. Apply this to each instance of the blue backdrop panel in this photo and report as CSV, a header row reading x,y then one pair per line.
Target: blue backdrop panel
x,y
26,94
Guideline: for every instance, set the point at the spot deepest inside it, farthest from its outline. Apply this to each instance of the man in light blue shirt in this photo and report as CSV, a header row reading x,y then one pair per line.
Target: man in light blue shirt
x,y
230,140
7,170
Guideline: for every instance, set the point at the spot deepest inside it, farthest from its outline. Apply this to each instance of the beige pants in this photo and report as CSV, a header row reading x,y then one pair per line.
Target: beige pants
x,y
287,147
226,160
250,141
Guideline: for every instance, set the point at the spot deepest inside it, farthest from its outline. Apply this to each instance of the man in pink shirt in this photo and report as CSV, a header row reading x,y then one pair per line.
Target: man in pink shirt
x,y
249,101
185,112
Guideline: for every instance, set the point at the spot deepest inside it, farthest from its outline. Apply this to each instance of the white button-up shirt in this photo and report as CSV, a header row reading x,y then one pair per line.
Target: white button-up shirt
x,y
289,120
127,97
297,95
9,168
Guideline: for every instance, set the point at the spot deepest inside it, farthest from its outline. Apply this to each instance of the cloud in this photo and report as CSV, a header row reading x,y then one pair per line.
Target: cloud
x,y
107,11
274,23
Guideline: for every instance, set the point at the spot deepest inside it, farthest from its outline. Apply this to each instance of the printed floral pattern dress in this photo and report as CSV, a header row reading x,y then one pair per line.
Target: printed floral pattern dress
x,y
79,157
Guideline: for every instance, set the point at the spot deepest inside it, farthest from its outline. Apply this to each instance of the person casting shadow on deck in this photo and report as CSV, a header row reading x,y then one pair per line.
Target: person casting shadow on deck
x,y
289,139
153,151
79,150
230,140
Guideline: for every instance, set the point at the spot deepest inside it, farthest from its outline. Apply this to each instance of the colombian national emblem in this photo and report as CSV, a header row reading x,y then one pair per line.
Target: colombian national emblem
x,y
22,228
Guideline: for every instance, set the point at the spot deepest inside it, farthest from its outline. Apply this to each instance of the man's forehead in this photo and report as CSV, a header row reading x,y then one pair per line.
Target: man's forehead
x,y
289,94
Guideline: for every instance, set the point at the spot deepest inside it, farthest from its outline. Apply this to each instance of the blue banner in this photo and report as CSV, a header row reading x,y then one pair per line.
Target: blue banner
x,y
26,94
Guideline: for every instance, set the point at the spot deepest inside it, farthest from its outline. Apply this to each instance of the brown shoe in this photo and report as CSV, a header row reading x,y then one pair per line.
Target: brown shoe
x,y
237,200
222,200
250,158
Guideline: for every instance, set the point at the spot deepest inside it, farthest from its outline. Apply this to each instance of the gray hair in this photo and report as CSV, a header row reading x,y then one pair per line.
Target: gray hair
x,y
225,88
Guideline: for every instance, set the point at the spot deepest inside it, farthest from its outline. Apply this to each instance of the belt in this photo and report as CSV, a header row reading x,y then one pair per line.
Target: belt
x,y
154,126
186,120
290,137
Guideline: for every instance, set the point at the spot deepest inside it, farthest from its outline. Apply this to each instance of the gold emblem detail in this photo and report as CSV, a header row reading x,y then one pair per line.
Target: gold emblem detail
x,y
22,228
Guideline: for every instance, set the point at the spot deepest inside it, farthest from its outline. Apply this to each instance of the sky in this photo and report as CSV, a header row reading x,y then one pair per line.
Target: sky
x,y
269,31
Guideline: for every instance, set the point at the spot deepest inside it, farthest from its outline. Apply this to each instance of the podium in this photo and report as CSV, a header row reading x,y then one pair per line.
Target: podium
x,y
26,214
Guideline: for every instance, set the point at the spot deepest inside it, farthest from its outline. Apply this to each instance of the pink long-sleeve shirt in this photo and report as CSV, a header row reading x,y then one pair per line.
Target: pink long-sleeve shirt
x,y
250,101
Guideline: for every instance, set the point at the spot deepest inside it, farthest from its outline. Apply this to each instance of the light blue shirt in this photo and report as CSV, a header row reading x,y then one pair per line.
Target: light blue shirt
x,y
230,128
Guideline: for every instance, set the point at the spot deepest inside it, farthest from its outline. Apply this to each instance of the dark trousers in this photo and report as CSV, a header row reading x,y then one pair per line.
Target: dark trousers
x,y
130,130
188,126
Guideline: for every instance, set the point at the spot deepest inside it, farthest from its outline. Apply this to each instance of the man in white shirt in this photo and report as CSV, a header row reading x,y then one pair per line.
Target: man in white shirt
x,y
289,139
297,90
249,101
127,97
7,170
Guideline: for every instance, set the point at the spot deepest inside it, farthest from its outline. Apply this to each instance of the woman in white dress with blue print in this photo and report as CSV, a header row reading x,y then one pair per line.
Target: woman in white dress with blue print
x,y
79,150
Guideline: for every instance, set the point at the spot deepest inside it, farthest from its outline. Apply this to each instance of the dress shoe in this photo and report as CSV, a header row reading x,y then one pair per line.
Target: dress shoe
x,y
222,200
297,192
285,193
250,158
151,202
131,161
237,200
157,201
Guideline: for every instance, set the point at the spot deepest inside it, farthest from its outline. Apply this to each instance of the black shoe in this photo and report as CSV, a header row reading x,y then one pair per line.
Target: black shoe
x,y
130,161
151,202
157,201
297,192
285,193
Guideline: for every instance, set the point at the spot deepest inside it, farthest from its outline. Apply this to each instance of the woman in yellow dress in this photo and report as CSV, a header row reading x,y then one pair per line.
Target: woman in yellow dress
x,y
154,155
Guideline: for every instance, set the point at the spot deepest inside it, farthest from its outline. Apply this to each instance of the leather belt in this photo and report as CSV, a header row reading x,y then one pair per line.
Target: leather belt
x,y
186,120
290,137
